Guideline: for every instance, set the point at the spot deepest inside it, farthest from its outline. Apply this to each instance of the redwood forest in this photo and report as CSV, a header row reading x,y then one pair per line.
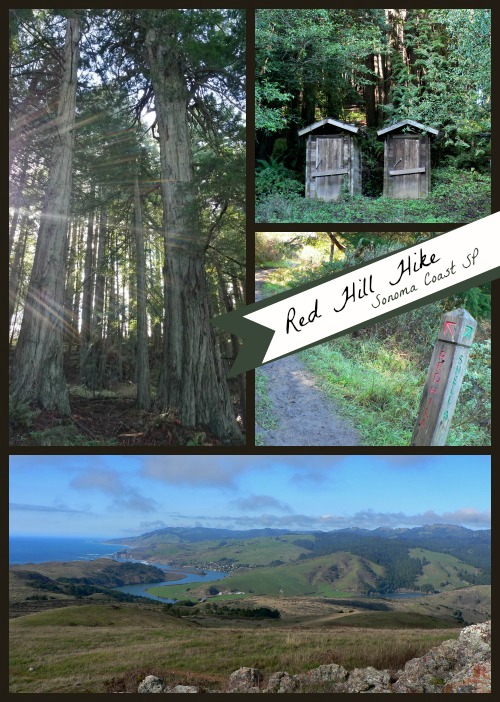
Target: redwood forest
x,y
421,72
127,226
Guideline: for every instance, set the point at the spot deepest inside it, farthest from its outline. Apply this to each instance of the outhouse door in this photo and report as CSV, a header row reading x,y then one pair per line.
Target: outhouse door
x,y
330,166
407,164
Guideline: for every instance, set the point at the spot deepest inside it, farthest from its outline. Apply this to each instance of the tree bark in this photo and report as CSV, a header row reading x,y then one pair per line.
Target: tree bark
x,y
235,344
75,333
369,93
142,358
334,242
16,272
192,382
38,373
88,288
97,326
16,201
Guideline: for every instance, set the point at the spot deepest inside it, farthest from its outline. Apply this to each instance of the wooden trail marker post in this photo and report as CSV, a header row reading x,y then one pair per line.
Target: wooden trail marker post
x,y
444,378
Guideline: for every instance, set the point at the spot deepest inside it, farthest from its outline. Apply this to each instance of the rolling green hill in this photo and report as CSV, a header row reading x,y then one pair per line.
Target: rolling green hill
x,y
443,571
101,572
40,586
221,553
335,575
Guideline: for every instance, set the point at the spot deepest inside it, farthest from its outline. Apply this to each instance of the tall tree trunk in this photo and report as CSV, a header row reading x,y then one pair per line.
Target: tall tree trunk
x,y
334,242
16,201
235,344
17,267
113,346
78,289
369,93
142,358
192,382
38,372
69,292
87,293
97,326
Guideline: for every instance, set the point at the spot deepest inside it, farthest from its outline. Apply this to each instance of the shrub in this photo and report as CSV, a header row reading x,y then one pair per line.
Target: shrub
x,y
21,415
273,177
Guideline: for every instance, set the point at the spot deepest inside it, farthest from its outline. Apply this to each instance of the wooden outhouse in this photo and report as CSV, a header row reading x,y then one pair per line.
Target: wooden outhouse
x,y
332,159
407,159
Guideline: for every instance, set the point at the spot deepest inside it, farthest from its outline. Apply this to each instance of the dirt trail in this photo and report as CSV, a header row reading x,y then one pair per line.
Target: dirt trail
x,y
305,417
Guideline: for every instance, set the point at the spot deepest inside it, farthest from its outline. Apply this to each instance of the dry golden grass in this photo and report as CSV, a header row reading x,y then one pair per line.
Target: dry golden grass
x,y
99,648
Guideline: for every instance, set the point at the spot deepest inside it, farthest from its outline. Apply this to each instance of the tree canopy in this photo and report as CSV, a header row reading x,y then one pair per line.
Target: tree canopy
x,y
375,67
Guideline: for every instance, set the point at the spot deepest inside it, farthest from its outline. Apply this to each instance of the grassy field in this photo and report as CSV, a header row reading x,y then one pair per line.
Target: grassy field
x,y
100,648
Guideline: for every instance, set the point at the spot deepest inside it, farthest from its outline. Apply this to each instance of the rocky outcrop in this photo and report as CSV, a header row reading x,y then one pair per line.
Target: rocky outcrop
x,y
461,665
245,680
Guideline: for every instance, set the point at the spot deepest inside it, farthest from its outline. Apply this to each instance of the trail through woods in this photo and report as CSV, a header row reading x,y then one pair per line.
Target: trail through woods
x,y
305,417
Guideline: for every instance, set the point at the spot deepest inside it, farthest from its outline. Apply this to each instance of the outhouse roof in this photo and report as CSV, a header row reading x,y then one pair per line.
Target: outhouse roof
x,y
328,120
405,122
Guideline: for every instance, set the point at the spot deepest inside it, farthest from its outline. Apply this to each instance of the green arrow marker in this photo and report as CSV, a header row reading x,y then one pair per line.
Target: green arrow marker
x,y
468,332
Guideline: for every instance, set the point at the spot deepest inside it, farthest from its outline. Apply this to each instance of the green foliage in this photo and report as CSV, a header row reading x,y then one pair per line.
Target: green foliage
x,y
272,176
198,439
267,117
448,84
245,612
21,415
264,416
372,162
472,419
471,200
477,301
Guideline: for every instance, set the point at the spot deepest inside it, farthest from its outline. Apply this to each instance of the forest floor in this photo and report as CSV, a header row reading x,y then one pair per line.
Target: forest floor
x,y
107,418
293,411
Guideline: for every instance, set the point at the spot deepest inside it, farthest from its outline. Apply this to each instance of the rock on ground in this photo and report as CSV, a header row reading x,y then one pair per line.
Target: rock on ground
x,y
152,684
245,680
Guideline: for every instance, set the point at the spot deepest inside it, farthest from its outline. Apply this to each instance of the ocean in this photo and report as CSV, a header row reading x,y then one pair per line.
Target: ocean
x,y
38,549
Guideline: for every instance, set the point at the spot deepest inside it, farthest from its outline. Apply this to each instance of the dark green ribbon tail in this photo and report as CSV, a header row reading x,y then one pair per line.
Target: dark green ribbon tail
x,y
256,339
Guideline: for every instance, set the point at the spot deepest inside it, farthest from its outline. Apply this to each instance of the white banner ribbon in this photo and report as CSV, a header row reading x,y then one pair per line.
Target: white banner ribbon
x,y
387,284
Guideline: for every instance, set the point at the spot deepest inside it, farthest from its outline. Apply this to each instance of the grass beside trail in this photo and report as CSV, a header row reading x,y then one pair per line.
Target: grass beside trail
x,y
376,375
264,416
101,649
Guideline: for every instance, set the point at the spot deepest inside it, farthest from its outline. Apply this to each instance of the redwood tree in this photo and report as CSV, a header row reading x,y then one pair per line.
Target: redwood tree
x,y
192,381
38,372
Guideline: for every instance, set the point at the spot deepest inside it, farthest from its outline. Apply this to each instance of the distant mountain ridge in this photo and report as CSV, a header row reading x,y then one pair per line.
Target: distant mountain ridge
x,y
193,534
204,534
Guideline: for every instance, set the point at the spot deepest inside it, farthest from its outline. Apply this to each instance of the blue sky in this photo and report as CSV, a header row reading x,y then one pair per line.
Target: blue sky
x,y
114,496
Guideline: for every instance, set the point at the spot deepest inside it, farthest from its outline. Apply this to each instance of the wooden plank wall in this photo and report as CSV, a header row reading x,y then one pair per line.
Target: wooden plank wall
x,y
407,152
317,187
